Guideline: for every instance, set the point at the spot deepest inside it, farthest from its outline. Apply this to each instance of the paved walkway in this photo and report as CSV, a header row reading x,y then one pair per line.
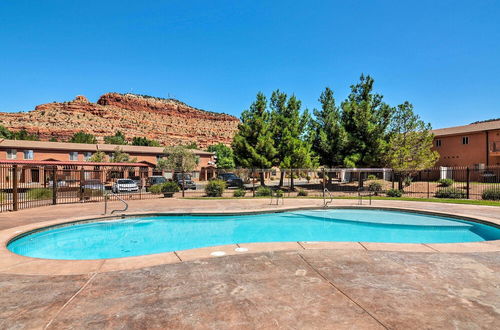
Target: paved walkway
x,y
314,289
361,287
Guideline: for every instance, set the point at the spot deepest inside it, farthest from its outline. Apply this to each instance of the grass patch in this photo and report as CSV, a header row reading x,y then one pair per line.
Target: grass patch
x,y
410,199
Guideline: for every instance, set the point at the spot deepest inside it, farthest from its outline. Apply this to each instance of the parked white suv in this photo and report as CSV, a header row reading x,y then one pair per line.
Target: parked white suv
x,y
122,185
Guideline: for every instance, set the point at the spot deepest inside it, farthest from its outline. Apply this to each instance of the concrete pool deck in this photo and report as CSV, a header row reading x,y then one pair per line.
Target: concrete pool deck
x,y
272,285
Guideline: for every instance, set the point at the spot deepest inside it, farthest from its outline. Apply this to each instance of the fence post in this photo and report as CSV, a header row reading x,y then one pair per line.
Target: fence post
x,y
468,182
324,183
392,178
428,184
82,174
54,185
253,182
15,193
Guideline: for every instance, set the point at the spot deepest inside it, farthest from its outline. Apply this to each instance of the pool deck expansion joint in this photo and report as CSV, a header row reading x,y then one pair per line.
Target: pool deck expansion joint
x,y
339,290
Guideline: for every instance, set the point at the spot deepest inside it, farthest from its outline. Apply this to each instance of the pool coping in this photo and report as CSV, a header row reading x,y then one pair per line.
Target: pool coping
x,y
11,263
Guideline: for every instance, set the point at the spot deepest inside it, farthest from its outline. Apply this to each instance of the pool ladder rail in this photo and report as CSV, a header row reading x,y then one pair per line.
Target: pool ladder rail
x,y
106,197
326,202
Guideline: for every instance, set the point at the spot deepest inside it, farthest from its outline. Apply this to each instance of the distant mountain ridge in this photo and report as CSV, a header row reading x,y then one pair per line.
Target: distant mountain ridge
x,y
168,121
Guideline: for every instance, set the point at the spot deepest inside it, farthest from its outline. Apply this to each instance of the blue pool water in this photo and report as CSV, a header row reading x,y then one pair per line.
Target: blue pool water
x,y
148,235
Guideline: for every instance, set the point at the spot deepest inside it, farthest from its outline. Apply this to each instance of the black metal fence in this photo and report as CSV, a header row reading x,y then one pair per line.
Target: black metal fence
x,y
26,186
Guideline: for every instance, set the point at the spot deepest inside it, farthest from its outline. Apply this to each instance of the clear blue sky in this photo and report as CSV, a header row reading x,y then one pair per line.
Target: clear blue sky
x,y
443,56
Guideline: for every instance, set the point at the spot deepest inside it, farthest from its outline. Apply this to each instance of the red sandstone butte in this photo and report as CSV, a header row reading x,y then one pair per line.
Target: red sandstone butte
x,y
167,120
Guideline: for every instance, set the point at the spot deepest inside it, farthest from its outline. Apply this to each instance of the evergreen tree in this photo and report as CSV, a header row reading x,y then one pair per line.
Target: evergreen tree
x,y
279,121
327,135
365,117
224,154
119,156
5,133
253,144
98,157
82,137
118,138
24,135
142,141
288,127
410,143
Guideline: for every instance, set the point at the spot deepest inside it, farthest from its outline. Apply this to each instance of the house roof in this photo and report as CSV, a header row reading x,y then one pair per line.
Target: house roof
x,y
75,163
479,127
66,146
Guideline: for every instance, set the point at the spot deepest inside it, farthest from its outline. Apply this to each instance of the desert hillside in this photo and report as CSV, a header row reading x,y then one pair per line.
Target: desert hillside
x,y
168,121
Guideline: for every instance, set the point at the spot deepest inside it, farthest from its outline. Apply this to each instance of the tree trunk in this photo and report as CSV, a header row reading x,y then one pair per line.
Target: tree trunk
x,y
400,182
282,176
262,179
292,186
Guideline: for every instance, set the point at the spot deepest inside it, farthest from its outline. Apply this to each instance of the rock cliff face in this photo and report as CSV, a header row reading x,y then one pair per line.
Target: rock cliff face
x,y
167,120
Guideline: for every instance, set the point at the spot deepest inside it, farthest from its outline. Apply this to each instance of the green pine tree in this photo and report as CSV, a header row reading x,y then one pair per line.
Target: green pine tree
x,y
327,135
118,139
365,118
253,144
288,127
82,137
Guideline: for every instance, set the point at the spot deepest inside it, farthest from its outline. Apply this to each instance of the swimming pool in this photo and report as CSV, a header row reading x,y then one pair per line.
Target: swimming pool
x,y
155,234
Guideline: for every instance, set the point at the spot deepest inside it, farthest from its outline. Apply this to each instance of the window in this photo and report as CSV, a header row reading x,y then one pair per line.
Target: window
x,y
11,154
87,155
438,143
28,154
465,140
73,155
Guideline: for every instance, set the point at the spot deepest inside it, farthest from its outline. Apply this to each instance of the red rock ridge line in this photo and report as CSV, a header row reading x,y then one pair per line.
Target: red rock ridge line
x,y
168,121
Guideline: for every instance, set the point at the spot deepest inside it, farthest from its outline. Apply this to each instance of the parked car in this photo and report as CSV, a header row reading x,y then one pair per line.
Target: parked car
x,y
137,180
231,179
93,184
188,181
489,176
60,183
123,185
155,179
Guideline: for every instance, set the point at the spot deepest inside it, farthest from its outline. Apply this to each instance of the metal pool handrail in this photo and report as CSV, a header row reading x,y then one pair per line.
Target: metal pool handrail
x,y
325,202
117,210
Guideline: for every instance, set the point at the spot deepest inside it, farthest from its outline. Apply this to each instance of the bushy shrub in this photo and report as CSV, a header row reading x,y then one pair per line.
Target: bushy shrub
x,y
375,186
263,191
491,194
445,182
302,192
279,193
3,196
308,178
450,193
39,193
169,187
239,193
372,177
407,181
156,188
394,193
215,188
